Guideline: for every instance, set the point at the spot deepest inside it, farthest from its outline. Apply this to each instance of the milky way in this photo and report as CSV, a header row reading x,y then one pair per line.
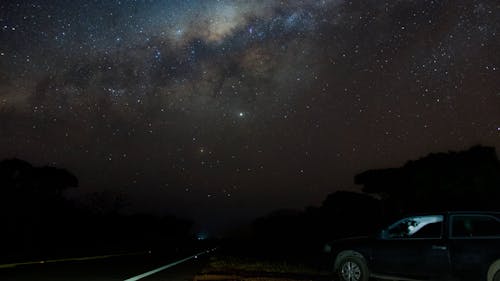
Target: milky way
x,y
227,109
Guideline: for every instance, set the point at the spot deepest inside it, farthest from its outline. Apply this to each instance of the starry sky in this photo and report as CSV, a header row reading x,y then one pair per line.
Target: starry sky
x,y
224,110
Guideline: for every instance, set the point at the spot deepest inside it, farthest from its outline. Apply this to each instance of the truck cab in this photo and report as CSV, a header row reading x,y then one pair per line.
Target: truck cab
x,y
442,246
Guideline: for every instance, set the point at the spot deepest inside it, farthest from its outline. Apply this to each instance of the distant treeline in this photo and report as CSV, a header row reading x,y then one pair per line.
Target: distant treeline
x,y
465,180
39,222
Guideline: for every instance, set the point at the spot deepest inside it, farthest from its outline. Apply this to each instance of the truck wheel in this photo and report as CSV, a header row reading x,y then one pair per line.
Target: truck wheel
x,y
353,268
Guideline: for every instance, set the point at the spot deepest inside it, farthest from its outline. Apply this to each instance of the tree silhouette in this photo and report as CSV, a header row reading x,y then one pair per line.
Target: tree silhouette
x,y
350,214
32,205
38,221
455,180
26,189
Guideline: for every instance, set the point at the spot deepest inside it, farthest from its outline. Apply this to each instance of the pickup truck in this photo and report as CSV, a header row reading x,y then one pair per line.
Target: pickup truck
x,y
438,246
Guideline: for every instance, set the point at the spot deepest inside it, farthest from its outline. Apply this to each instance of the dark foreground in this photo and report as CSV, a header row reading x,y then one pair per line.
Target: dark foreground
x,y
110,269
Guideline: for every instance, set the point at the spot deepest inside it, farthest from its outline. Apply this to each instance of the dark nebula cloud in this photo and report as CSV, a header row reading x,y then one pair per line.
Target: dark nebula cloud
x,y
222,110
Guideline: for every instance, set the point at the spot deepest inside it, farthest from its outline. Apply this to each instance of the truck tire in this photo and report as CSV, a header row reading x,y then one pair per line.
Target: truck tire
x,y
352,267
496,277
494,271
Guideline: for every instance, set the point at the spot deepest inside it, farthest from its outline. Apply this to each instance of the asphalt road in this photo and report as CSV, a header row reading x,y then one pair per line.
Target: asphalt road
x,y
111,269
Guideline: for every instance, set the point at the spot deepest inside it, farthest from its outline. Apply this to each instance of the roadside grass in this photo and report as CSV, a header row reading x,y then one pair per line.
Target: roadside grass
x,y
250,269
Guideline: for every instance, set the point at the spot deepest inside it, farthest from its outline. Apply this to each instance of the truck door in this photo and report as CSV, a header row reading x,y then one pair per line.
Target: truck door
x,y
474,244
413,247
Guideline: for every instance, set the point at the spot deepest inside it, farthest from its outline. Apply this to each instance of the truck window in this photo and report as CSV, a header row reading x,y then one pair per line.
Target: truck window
x,y
416,227
464,226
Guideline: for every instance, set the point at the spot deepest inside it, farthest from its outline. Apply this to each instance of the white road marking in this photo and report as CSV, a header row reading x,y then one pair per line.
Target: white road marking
x,y
146,274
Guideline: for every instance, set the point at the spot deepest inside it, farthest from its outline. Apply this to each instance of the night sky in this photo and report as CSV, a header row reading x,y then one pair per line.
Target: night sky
x,y
225,110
